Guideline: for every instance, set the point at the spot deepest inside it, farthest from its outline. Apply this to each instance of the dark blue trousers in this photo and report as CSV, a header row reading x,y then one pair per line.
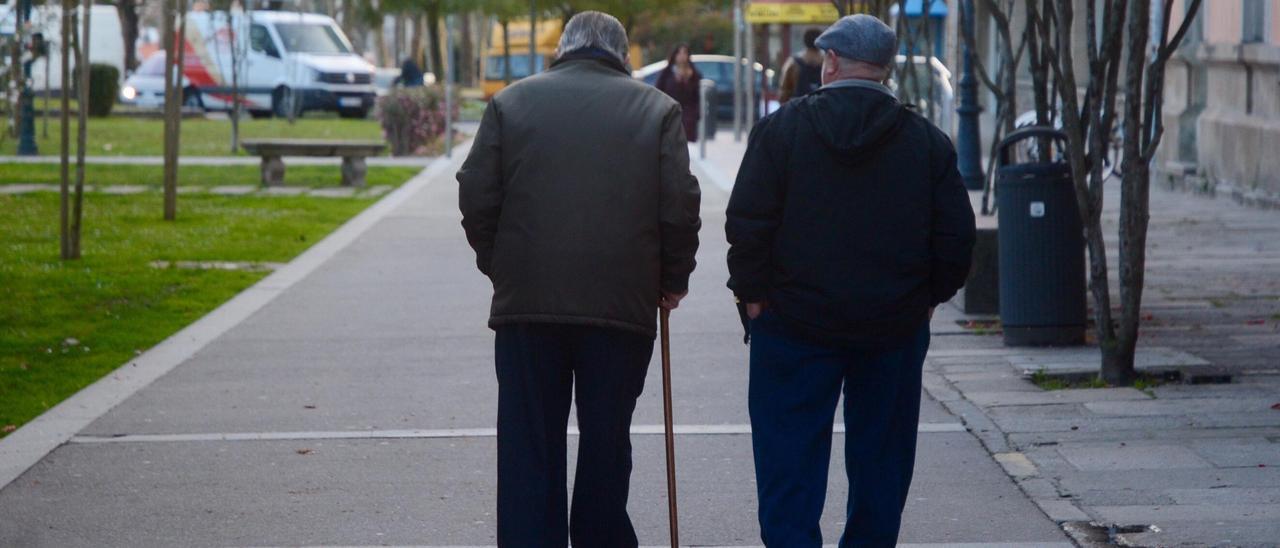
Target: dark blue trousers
x,y
795,385
537,366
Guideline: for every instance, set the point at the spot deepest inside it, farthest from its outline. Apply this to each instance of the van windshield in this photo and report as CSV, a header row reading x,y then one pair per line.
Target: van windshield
x,y
311,38
153,66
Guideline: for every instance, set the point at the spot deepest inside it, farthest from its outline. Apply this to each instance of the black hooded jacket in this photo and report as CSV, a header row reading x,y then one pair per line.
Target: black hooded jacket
x,y
849,217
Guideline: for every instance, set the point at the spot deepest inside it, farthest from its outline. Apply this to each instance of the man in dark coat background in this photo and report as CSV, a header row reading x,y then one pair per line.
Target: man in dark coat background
x,y
847,225
578,201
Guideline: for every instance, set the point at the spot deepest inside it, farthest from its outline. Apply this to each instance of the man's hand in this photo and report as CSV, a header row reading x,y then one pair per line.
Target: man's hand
x,y
755,309
670,301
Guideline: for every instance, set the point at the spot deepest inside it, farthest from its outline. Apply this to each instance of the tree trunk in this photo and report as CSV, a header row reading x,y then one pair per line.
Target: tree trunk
x,y
237,56
465,53
82,63
415,42
433,39
129,31
64,230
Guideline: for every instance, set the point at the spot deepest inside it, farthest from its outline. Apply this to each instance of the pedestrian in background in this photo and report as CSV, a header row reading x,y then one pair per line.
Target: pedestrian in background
x,y
802,73
680,79
847,224
578,201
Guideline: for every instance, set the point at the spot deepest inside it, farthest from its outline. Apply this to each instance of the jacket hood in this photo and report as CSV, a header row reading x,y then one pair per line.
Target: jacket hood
x,y
853,121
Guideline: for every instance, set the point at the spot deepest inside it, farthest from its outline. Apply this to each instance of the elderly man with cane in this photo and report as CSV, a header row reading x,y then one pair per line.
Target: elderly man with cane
x,y
848,223
578,201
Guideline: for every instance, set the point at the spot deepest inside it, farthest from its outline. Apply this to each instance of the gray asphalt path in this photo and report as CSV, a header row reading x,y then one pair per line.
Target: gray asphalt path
x,y
355,409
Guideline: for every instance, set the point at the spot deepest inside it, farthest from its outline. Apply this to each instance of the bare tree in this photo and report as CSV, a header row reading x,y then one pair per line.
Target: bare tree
x,y
1003,83
82,131
1088,125
64,232
175,12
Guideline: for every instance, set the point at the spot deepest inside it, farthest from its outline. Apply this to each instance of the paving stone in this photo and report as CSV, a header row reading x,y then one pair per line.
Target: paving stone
x,y
1238,452
1227,495
1182,406
233,190
1088,360
1060,510
1161,514
285,190
1016,464
1024,424
122,189
334,192
1116,457
379,190
1259,534
27,188
1075,481
1047,397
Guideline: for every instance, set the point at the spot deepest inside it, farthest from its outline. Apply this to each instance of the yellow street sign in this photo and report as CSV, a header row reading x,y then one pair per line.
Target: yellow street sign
x,y
791,12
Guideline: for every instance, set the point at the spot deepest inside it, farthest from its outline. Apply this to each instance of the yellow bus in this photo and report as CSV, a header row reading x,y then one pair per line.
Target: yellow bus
x,y
518,33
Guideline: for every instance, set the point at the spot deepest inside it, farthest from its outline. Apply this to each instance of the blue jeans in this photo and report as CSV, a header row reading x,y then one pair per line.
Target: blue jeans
x,y
537,366
795,385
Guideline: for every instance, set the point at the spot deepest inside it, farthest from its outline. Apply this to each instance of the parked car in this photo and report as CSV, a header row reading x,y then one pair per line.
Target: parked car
x,y
292,63
718,69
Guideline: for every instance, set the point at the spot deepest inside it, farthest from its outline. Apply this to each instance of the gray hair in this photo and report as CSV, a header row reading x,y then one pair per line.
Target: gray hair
x,y
594,29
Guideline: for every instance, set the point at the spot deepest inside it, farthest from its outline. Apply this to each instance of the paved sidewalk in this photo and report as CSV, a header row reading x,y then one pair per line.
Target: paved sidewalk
x,y
355,405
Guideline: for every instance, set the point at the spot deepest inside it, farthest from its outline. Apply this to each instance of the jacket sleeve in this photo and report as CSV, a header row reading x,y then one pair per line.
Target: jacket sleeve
x,y
753,216
480,189
679,206
953,233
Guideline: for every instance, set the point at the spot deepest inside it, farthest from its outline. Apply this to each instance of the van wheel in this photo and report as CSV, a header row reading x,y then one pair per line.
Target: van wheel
x,y
284,103
191,98
259,114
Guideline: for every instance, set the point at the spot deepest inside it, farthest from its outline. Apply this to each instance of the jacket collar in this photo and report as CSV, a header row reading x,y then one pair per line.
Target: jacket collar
x,y
597,55
857,83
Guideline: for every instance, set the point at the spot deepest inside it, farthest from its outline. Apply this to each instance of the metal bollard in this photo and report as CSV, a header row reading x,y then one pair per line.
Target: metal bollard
x,y
705,88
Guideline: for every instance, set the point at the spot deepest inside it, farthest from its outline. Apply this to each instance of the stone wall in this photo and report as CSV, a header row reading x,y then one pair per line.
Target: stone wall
x,y
1222,120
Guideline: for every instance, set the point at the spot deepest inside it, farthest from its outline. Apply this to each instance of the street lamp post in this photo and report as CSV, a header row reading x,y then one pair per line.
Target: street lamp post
x,y
968,136
27,129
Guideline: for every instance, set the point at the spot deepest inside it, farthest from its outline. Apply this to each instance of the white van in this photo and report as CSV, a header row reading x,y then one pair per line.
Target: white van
x,y
292,61
106,42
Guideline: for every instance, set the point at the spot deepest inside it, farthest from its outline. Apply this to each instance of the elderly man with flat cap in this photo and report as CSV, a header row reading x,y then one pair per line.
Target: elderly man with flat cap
x,y
847,225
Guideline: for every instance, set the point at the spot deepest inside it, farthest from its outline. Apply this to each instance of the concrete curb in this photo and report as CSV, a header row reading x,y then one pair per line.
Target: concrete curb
x,y
25,447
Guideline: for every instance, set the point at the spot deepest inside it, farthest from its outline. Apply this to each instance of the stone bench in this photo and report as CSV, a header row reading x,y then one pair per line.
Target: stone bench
x,y
352,153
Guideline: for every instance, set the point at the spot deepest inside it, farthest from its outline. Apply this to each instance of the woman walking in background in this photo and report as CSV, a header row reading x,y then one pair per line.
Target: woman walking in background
x,y
680,80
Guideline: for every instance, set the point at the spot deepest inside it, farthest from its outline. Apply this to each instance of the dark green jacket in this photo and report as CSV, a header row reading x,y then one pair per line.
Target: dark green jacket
x,y
578,200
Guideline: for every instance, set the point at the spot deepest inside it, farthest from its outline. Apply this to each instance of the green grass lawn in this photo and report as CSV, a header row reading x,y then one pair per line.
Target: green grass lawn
x,y
64,324
194,175
122,136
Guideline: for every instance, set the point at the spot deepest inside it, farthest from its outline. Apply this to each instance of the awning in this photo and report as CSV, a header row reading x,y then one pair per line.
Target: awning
x,y
791,11
937,8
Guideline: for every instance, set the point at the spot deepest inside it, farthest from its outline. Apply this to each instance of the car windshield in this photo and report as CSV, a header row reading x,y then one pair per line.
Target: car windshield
x,y
311,38
153,66
519,66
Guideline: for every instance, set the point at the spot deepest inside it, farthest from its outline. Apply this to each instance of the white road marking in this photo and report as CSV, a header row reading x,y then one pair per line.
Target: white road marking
x,y
637,430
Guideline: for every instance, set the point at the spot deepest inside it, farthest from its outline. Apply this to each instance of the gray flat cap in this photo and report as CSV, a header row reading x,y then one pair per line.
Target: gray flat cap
x,y
861,37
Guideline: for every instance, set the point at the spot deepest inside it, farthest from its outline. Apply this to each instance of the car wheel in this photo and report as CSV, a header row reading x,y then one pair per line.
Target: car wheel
x,y
284,104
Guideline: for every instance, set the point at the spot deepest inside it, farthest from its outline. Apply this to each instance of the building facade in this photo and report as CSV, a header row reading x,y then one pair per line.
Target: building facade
x,y
1222,110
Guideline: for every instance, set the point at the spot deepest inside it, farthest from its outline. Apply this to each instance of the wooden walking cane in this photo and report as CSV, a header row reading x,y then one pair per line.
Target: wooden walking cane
x,y
670,432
